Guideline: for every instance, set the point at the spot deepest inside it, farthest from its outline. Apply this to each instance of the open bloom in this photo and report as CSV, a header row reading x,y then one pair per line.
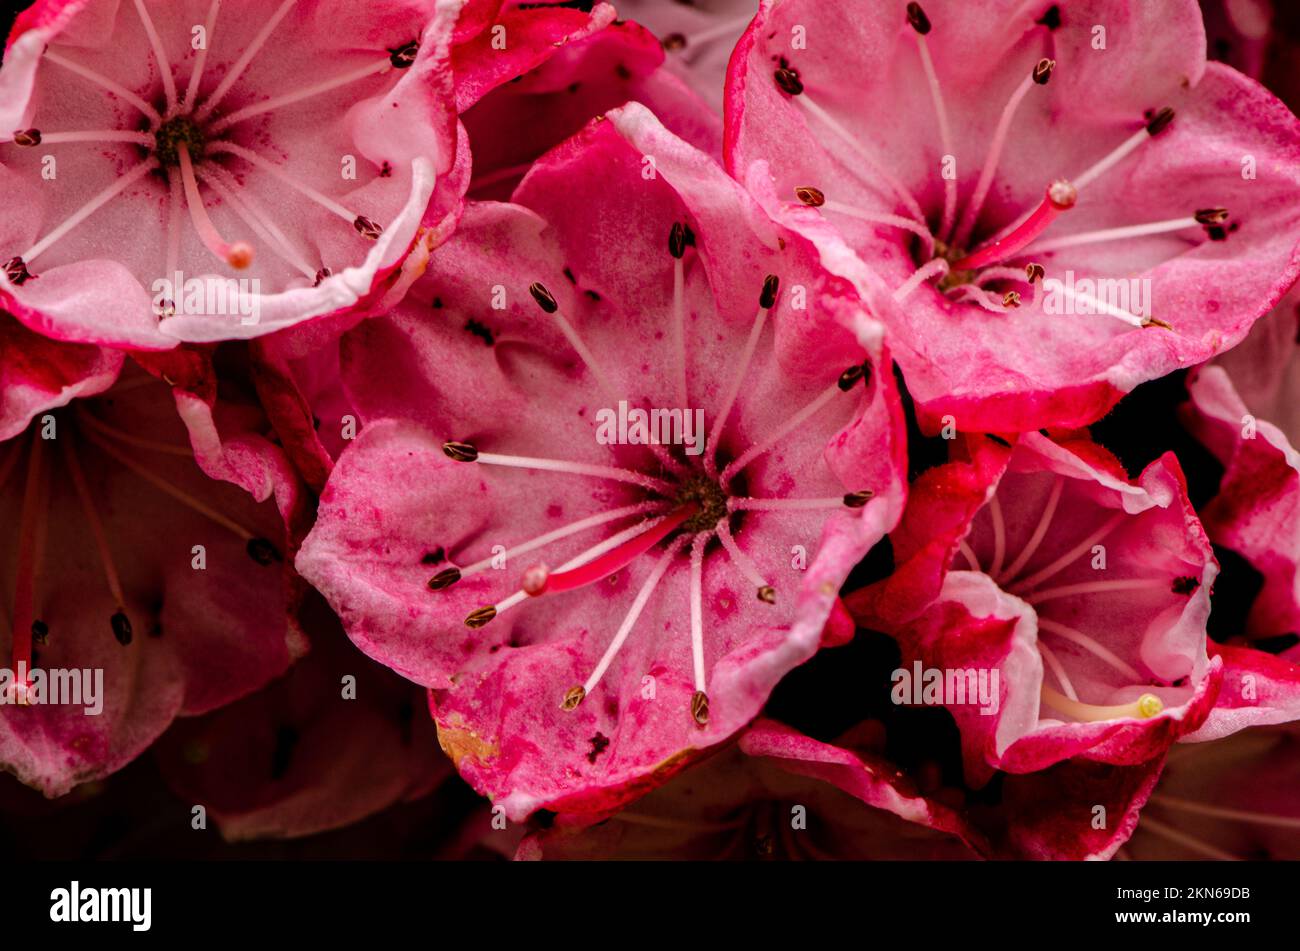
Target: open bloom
x,y
1049,202
336,739
592,604
209,170
123,558
1080,598
742,804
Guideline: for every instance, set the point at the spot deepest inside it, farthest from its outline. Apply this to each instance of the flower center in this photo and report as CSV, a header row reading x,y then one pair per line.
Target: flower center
x,y
711,499
175,132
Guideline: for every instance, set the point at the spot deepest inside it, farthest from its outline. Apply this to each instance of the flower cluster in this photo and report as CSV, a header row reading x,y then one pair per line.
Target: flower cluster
x,y
712,429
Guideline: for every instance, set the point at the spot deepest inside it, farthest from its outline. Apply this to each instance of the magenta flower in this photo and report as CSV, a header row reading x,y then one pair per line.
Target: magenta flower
x,y
123,557
671,585
1049,204
310,752
746,804
278,159
1086,594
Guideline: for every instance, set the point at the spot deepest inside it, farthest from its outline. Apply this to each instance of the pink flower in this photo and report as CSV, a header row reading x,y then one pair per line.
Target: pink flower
x,y
698,35
1234,800
1079,596
745,806
1049,204
1046,815
122,557
293,147
629,270
37,374
311,752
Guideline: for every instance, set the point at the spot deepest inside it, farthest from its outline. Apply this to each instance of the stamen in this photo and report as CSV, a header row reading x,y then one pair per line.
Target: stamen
x,y
638,605
852,500
1058,669
921,26
176,493
1185,840
999,536
775,437
449,576
677,248
1143,708
241,64
878,173
937,267
86,210
1070,556
1036,539
30,528
1223,812
97,533
1155,125
257,109
745,565
697,611
480,616
1091,645
726,30
1041,73
539,581
105,83
894,221
969,553
164,67
261,225
1118,234
84,416
1097,587
329,204
35,137
238,255
200,60
767,300
1097,305
1061,196
458,452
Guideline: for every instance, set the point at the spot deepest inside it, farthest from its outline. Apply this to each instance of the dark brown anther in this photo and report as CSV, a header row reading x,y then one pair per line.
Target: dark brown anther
x,y
122,630
992,437
812,197
1160,121
321,275
480,616
1211,216
771,285
1035,272
674,41
700,708
789,82
572,697
1011,299
855,500
917,18
16,271
403,56
367,228
677,240
1043,70
1157,322
444,579
27,137
40,632
849,378
767,594
543,297
262,551
460,451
